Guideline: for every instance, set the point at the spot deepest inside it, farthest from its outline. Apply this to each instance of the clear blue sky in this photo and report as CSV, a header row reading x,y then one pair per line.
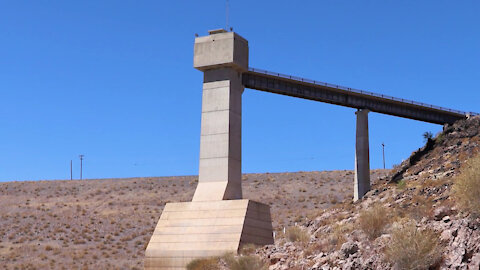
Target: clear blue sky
x,y
113,80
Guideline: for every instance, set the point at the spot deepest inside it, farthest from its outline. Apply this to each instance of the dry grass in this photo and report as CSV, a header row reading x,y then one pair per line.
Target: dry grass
x,y
466,187
296,234
373,221
402,184
312,249
248,249
413,249
113,219
248,262
203,264
338,236
421,207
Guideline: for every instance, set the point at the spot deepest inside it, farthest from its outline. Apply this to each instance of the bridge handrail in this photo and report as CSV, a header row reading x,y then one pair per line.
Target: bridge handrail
x,y
353,90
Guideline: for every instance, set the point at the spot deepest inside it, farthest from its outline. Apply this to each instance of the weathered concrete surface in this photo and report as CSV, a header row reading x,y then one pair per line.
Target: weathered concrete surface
x,y
220,167
192,230
218,50
362,156
222,57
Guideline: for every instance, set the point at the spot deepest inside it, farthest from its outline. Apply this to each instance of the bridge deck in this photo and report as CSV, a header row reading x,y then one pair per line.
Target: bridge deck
x,y
349,97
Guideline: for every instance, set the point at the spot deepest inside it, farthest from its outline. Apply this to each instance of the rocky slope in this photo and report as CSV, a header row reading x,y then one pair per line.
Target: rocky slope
x,y
417,192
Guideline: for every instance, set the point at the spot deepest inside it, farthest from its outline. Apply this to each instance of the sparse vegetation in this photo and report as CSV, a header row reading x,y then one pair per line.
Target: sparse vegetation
x,y
440,138
402,184
296,234
106,224
338,236
466,187
248,249
203,264
421,207
427,135
248,262
373,220
113,219
411,248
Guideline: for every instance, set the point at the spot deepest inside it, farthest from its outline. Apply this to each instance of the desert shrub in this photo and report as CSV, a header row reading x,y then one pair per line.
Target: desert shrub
x,y
373,220
248,262
402,184
421,207
296,234
248,249
313,249
411,248
440,138
427,135
203,264
336,237
466,187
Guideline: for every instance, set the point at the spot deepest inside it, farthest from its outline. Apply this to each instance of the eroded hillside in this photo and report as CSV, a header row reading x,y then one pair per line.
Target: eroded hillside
x,y
412,220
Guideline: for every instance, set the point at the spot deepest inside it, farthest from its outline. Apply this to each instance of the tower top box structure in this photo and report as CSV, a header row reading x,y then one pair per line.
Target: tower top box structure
x,y
221,49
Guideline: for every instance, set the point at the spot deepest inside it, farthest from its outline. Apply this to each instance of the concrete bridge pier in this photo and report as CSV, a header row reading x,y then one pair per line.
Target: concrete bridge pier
x,y
362,156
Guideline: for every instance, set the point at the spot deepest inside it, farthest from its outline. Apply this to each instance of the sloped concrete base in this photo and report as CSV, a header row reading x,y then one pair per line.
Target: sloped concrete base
x,y
191,230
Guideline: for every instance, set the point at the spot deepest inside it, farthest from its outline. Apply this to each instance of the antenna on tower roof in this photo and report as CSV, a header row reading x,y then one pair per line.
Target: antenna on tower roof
x,y
226,15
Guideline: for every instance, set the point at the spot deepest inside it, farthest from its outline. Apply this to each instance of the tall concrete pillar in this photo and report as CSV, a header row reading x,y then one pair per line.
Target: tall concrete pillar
x,y
217,220
222,56
362,156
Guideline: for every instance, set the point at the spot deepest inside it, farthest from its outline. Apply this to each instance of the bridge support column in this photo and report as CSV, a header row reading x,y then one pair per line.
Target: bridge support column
x,y
362,156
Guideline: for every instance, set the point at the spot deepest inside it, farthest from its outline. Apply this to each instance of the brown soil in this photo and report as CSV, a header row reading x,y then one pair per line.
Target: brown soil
x,y
107,223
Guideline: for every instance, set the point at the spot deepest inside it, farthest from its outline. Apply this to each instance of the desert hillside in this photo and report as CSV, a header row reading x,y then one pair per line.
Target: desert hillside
x,y
106,223
425,215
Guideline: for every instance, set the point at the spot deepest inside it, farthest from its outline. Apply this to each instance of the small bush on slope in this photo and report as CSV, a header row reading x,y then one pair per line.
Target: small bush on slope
x,y
373,220
402,184
296,234
338,236
203,264
466,187
248,249
249,262
413,249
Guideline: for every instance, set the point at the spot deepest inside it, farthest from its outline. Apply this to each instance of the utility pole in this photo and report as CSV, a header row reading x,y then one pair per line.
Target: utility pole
x,y
71,171
383,150
81,165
